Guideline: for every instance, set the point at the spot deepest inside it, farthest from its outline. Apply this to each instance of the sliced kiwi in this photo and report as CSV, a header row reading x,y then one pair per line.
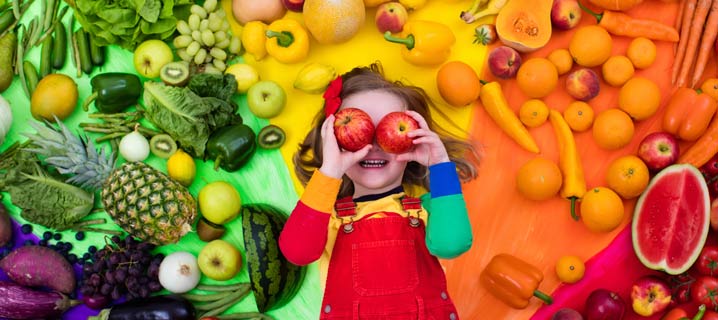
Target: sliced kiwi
x,y
163,146
208,231
271,137
175,73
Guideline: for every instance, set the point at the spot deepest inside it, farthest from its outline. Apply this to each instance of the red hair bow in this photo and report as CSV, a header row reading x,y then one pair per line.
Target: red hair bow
x,y
332,101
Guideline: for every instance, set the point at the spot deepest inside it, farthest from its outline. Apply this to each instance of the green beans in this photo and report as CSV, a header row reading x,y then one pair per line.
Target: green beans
x,y
31,77
83,47
59,50
46,57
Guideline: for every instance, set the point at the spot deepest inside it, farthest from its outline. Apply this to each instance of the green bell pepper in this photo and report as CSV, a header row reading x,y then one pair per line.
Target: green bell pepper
x,y
231,146
112,92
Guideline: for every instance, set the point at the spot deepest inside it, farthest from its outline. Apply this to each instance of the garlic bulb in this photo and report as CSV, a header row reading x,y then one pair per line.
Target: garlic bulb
x,y
5,119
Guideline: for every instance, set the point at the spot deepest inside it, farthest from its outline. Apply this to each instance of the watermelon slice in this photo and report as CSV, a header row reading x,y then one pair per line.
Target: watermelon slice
x,y
671,219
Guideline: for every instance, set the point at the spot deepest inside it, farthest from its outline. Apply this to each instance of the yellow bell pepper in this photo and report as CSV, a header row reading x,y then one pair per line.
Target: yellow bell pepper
x,y
574,184
495,104
254,39
288,41
426,43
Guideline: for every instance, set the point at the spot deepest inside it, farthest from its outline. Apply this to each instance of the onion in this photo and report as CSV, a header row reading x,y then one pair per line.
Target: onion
x,y
134,146
179,272
5,119
603,304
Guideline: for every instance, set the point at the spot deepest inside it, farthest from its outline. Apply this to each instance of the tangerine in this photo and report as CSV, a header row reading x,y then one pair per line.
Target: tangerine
x,y
601,209
533,113
612,129
628,176
639,97
579,116
538,179
642,52
590,46
617,70
710,87
537,77
458,83
570,269
562,59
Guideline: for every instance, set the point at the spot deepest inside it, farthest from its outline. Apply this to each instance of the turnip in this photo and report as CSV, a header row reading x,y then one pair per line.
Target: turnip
x,y
35,266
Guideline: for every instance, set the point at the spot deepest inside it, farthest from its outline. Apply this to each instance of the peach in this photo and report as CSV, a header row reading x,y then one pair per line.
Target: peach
x,y
583,84
391,16
504,62
565,14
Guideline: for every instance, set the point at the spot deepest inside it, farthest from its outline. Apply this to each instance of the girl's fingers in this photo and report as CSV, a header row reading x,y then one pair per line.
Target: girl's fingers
x,y
418,118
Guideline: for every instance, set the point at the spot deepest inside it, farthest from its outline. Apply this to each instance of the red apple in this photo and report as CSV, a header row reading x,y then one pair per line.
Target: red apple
x,y
391,132
714,215
504,62
710,168
391,16
353,129
650,295
566,314
658,150
294,5
565,14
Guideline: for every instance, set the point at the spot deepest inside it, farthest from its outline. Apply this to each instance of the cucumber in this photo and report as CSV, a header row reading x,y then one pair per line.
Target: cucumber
x,y
97,53
46,57
275,280
59,47
83,46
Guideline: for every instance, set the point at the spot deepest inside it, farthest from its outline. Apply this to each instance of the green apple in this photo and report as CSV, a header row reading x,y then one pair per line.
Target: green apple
x,y
150,56
266,99
245,74
219,260
219,202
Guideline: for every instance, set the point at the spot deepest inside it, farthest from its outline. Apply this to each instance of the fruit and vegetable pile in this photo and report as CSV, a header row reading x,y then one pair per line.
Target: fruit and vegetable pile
x,y
145,149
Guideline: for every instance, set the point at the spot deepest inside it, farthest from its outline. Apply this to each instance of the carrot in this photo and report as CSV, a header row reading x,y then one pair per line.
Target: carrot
x,y
690,8
707,41
699,19
678,25
704,148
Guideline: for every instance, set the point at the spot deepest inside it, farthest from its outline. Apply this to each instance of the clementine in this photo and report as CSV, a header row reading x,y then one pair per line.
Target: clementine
x,y
710,87
458,83
537,77
628,176
590,46
617,70
570,269
612,129
642,52
533,113
601,209
639,97
539,179
562,59
579,116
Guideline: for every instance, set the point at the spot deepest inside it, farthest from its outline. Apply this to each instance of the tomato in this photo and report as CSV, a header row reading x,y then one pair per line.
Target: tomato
x,y
675,314
710,315
682,294
705,291
707,263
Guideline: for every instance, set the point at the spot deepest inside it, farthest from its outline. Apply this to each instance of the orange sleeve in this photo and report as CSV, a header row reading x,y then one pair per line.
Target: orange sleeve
x,y
321,192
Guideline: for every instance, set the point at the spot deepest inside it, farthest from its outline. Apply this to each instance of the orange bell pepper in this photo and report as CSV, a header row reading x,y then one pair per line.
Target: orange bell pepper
x,y
513,281
688,113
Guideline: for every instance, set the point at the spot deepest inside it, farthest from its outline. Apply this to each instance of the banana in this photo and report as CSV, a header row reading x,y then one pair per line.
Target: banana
x,y
314,77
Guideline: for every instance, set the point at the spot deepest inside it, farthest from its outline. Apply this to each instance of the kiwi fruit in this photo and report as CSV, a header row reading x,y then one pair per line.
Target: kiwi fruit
x,y
163,146
175,73
271,137
208,231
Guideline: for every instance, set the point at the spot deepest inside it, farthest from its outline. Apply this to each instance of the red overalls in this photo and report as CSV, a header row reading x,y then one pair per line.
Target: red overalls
x,y
381,269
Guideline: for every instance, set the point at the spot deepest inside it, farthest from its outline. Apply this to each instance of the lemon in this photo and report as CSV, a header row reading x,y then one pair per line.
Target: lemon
x,y
181,168
245,74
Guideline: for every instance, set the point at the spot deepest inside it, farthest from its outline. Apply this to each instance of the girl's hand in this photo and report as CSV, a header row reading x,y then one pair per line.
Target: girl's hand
x,y
335,162
428,148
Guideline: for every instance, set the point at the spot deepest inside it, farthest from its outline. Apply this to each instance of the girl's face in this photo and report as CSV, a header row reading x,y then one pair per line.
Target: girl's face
x,y
379,171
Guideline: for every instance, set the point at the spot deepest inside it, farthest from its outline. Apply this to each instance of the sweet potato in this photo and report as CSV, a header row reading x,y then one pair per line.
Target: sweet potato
x,y
36,266
5,226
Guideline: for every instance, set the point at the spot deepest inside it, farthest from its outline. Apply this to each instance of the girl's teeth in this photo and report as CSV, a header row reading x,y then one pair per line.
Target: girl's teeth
x,y
373,163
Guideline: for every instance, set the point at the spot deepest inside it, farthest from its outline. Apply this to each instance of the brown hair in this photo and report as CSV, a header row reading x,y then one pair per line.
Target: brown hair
x,y
309,156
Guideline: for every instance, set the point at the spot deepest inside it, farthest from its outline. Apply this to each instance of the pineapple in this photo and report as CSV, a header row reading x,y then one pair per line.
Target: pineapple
x,y
142,200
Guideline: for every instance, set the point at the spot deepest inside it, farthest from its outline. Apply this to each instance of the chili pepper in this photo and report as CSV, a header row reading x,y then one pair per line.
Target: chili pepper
x,y
574,184
231,146
513,281
426,43
688,113
621,24
254,39
288,41
498,109
112,92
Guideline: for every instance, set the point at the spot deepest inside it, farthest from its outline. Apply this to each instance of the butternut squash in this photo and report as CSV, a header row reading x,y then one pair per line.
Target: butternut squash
x,y
616,5
525,25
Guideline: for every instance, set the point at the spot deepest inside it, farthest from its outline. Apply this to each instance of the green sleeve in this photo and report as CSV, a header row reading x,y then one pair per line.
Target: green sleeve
x,y
448,230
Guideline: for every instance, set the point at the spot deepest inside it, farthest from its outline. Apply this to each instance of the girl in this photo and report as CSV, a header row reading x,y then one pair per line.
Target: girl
x,y
377,246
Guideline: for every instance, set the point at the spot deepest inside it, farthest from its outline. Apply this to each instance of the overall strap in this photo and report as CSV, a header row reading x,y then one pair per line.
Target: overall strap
x,y
345,207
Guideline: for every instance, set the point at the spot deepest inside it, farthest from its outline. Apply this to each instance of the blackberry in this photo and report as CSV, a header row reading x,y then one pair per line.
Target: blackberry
x,y
47,235
79,236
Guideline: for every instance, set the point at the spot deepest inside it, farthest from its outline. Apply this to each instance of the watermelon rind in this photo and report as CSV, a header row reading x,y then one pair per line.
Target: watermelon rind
x,y
703,231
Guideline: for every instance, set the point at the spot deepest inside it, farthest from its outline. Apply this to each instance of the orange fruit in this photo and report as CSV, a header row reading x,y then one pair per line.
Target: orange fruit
x,y
562,59
590,46
710,87
55,95
538,179
601,209
641,52
458,83
537,77
570,269
533,113
612,129
628,176
639,97
579,116
617,70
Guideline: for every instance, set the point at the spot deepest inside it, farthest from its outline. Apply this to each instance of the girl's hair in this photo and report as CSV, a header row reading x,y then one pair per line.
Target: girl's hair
x,y
309,156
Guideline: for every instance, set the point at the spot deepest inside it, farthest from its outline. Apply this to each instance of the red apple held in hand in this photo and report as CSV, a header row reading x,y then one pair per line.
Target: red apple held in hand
x,y
391,132
294,5
504,62
565,14
353,129
650,295
391,16
658,150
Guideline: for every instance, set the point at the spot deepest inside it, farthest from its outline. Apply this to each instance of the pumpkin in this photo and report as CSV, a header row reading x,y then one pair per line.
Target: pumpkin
x,y
525,25
617,5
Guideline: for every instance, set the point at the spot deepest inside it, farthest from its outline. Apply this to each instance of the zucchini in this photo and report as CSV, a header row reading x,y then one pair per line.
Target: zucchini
x,y
83,46
59,47
46,57
97,53
167,307
274,280
31,77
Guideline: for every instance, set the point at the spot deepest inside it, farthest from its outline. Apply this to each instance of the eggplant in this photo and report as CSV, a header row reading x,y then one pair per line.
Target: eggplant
x,y
166,307
18,302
